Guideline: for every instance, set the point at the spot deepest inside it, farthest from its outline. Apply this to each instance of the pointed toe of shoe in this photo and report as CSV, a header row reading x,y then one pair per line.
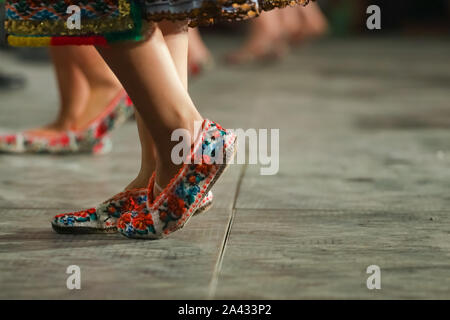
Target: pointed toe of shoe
x,y
80,222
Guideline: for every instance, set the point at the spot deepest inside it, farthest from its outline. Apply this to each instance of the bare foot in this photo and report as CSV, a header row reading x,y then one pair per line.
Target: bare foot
x,y
259,49
140,182
315,23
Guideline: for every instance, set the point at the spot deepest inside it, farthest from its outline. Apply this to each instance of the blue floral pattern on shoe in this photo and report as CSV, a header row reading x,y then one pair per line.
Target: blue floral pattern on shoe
x,y
185,193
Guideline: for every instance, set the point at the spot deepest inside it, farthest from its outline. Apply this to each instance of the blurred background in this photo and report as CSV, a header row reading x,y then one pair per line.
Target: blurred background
x,y
346,18
363,179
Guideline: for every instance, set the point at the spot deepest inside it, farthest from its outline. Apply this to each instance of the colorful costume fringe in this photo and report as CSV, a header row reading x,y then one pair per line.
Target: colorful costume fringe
x,y
44,23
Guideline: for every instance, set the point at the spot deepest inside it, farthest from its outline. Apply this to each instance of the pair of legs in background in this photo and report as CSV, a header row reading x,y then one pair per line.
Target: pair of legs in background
x,y
154,74
271,35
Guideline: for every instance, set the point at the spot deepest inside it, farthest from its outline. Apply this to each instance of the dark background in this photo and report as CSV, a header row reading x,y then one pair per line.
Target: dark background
x,y
348,17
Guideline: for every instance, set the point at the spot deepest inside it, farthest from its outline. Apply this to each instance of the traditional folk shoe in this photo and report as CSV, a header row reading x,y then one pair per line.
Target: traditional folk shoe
x,y
94,139
103,219
186,192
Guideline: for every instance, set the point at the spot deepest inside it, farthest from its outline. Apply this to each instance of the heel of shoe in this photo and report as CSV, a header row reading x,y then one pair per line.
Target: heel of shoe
x,y
203,207
228,157
103,146
231,146
205,204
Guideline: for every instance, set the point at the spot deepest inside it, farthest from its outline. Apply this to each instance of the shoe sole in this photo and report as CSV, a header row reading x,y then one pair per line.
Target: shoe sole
x,y
204,208
82,230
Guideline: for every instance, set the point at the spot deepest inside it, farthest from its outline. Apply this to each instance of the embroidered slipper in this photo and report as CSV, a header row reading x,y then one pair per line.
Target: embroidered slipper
x,y
171,210
103,219
94,139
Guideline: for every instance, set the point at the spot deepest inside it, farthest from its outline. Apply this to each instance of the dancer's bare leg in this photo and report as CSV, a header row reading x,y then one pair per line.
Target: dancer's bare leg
x,y
73,92
198,53
315,22
266,39
176,41
293,24
300,23
149,74
86,86
103,84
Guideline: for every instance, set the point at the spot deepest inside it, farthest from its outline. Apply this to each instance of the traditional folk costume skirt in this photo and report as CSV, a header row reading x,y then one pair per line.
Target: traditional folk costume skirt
x,y
44,23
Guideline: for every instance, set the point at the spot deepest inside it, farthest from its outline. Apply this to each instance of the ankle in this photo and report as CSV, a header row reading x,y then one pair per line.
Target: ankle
x,y
165,171
146,172
64,123
140,182
185,120
106,85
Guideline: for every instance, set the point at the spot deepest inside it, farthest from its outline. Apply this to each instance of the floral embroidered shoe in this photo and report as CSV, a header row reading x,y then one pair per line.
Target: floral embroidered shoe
x,y
171,210
94,139
103,219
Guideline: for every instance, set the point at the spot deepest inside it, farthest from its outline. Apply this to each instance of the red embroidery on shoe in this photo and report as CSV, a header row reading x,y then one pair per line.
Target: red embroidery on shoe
x,y
101,130
142,221
124,219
